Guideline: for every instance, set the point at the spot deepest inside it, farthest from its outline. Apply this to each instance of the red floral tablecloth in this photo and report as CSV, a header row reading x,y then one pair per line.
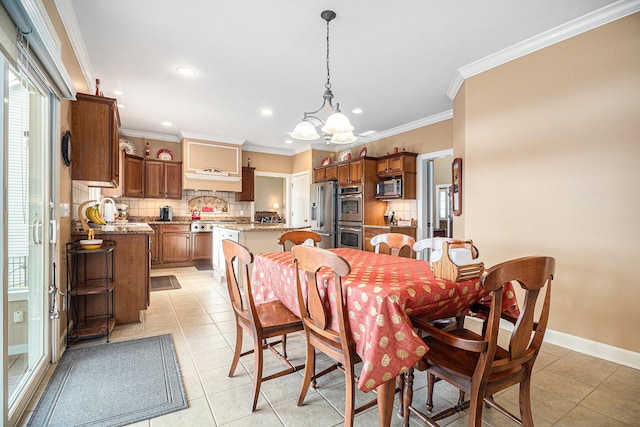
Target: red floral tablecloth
x,y
381,292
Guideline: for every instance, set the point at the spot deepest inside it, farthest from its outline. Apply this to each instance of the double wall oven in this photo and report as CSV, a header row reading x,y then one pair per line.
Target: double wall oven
x,y
350,217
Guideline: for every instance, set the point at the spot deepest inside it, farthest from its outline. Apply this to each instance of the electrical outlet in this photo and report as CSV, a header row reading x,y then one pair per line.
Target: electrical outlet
x,y
18,316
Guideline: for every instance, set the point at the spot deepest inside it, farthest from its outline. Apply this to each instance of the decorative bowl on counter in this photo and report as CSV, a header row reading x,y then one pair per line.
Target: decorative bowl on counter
x,y
91,244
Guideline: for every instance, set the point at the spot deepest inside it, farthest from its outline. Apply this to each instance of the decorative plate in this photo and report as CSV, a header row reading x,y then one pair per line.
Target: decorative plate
x,y
326,161
164,154
128,146
363,152
345,155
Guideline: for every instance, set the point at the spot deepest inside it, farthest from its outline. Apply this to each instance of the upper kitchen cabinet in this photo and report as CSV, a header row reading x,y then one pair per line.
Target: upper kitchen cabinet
x,y
210,165
248,185
356,172
131,178
325,173
397,164
95,123
162,179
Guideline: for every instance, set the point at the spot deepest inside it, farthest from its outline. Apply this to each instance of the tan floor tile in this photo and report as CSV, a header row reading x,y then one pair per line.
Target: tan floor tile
x,y
583,368
198,414
314,408
614,406
235,403
624,381
565,387
582,416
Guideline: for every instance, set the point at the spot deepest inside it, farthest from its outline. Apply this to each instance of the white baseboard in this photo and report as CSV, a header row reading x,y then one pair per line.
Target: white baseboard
x,y
583,345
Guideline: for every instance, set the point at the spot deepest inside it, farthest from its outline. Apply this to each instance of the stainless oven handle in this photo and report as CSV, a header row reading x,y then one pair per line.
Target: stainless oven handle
x,y
351,196
355,230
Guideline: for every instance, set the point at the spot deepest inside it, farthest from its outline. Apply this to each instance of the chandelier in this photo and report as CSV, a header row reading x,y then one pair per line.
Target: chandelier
x,y
337,124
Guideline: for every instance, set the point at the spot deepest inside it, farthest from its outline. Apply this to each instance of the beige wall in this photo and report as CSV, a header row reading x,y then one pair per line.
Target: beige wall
x,y
265,162
426,139
550,167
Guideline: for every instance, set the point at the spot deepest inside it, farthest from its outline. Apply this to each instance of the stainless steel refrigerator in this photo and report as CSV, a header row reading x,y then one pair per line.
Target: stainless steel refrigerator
x,y
324,213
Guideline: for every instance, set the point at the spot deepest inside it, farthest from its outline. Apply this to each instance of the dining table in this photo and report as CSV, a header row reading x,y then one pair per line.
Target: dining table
x,y
381,292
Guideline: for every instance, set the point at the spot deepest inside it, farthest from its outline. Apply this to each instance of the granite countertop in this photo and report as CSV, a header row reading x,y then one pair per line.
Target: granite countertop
x,y
390,226
118,228
261,227
144,228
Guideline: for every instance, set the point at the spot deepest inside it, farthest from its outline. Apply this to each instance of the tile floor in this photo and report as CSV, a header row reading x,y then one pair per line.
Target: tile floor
x,y
569,388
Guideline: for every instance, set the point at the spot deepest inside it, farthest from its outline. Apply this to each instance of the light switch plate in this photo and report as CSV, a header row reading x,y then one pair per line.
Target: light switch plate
x,y
65,210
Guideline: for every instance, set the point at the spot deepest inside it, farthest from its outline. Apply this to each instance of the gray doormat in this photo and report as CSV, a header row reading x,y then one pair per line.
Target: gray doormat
x,y
164,283
113,384
204,267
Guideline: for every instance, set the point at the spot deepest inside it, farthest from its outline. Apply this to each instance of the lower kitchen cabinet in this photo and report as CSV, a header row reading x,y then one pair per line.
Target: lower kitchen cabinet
x,y
174,245
131,258
201,246
155,243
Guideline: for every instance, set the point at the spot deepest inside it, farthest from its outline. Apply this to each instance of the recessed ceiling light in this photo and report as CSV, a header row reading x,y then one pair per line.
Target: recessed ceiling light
x,y
288,141
167,124
117,92
186,71
267,112
357,111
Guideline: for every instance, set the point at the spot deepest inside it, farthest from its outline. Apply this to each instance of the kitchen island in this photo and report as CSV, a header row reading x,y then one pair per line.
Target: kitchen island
x,y
132,268
259,238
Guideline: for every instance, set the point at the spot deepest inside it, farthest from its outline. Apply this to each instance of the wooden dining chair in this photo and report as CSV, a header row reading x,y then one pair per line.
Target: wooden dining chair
x,y
262,322
395,242
435,243
338,345
475,363
298,237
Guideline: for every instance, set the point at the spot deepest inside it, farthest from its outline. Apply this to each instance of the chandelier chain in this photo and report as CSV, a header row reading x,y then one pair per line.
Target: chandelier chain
x,y
328,84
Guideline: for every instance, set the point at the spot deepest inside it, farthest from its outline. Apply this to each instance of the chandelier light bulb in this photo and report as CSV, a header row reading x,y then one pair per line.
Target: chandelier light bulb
x,y
337,123
305,131
343,138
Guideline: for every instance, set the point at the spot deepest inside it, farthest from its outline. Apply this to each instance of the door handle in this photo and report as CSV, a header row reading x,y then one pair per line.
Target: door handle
x,y
36,231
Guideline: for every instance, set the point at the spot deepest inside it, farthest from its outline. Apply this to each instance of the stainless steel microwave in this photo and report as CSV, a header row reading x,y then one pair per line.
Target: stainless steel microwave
x,y
389,188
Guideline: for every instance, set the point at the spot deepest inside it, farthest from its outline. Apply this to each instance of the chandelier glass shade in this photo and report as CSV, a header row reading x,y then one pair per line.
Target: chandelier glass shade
x,y
337,124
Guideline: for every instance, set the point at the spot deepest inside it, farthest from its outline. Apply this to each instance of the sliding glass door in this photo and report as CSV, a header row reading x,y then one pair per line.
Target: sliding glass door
x,y
27,182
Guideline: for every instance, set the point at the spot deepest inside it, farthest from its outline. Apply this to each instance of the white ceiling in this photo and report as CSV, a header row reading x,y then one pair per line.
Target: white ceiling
x,y
396,60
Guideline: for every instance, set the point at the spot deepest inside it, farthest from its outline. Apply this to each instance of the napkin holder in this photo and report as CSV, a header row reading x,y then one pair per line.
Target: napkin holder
x,y
446,269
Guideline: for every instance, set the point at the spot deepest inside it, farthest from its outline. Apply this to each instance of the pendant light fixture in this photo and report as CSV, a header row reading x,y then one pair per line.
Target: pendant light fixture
x,y
337,124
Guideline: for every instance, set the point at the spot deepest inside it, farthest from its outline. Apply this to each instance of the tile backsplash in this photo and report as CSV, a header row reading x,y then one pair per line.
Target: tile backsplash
x,y
404,209
151,207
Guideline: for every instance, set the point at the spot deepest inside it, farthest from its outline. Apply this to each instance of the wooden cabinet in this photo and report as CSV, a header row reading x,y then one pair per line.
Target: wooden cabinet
x,y
370,232
201,246
162,179
94,128
132,276
155,244
247,193
351,172
325,173
399,165
132,176
176,243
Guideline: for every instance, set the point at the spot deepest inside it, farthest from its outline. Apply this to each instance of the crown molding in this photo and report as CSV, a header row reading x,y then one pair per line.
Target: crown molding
x,y
208,137
555,35
70,22
295,149
150,135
